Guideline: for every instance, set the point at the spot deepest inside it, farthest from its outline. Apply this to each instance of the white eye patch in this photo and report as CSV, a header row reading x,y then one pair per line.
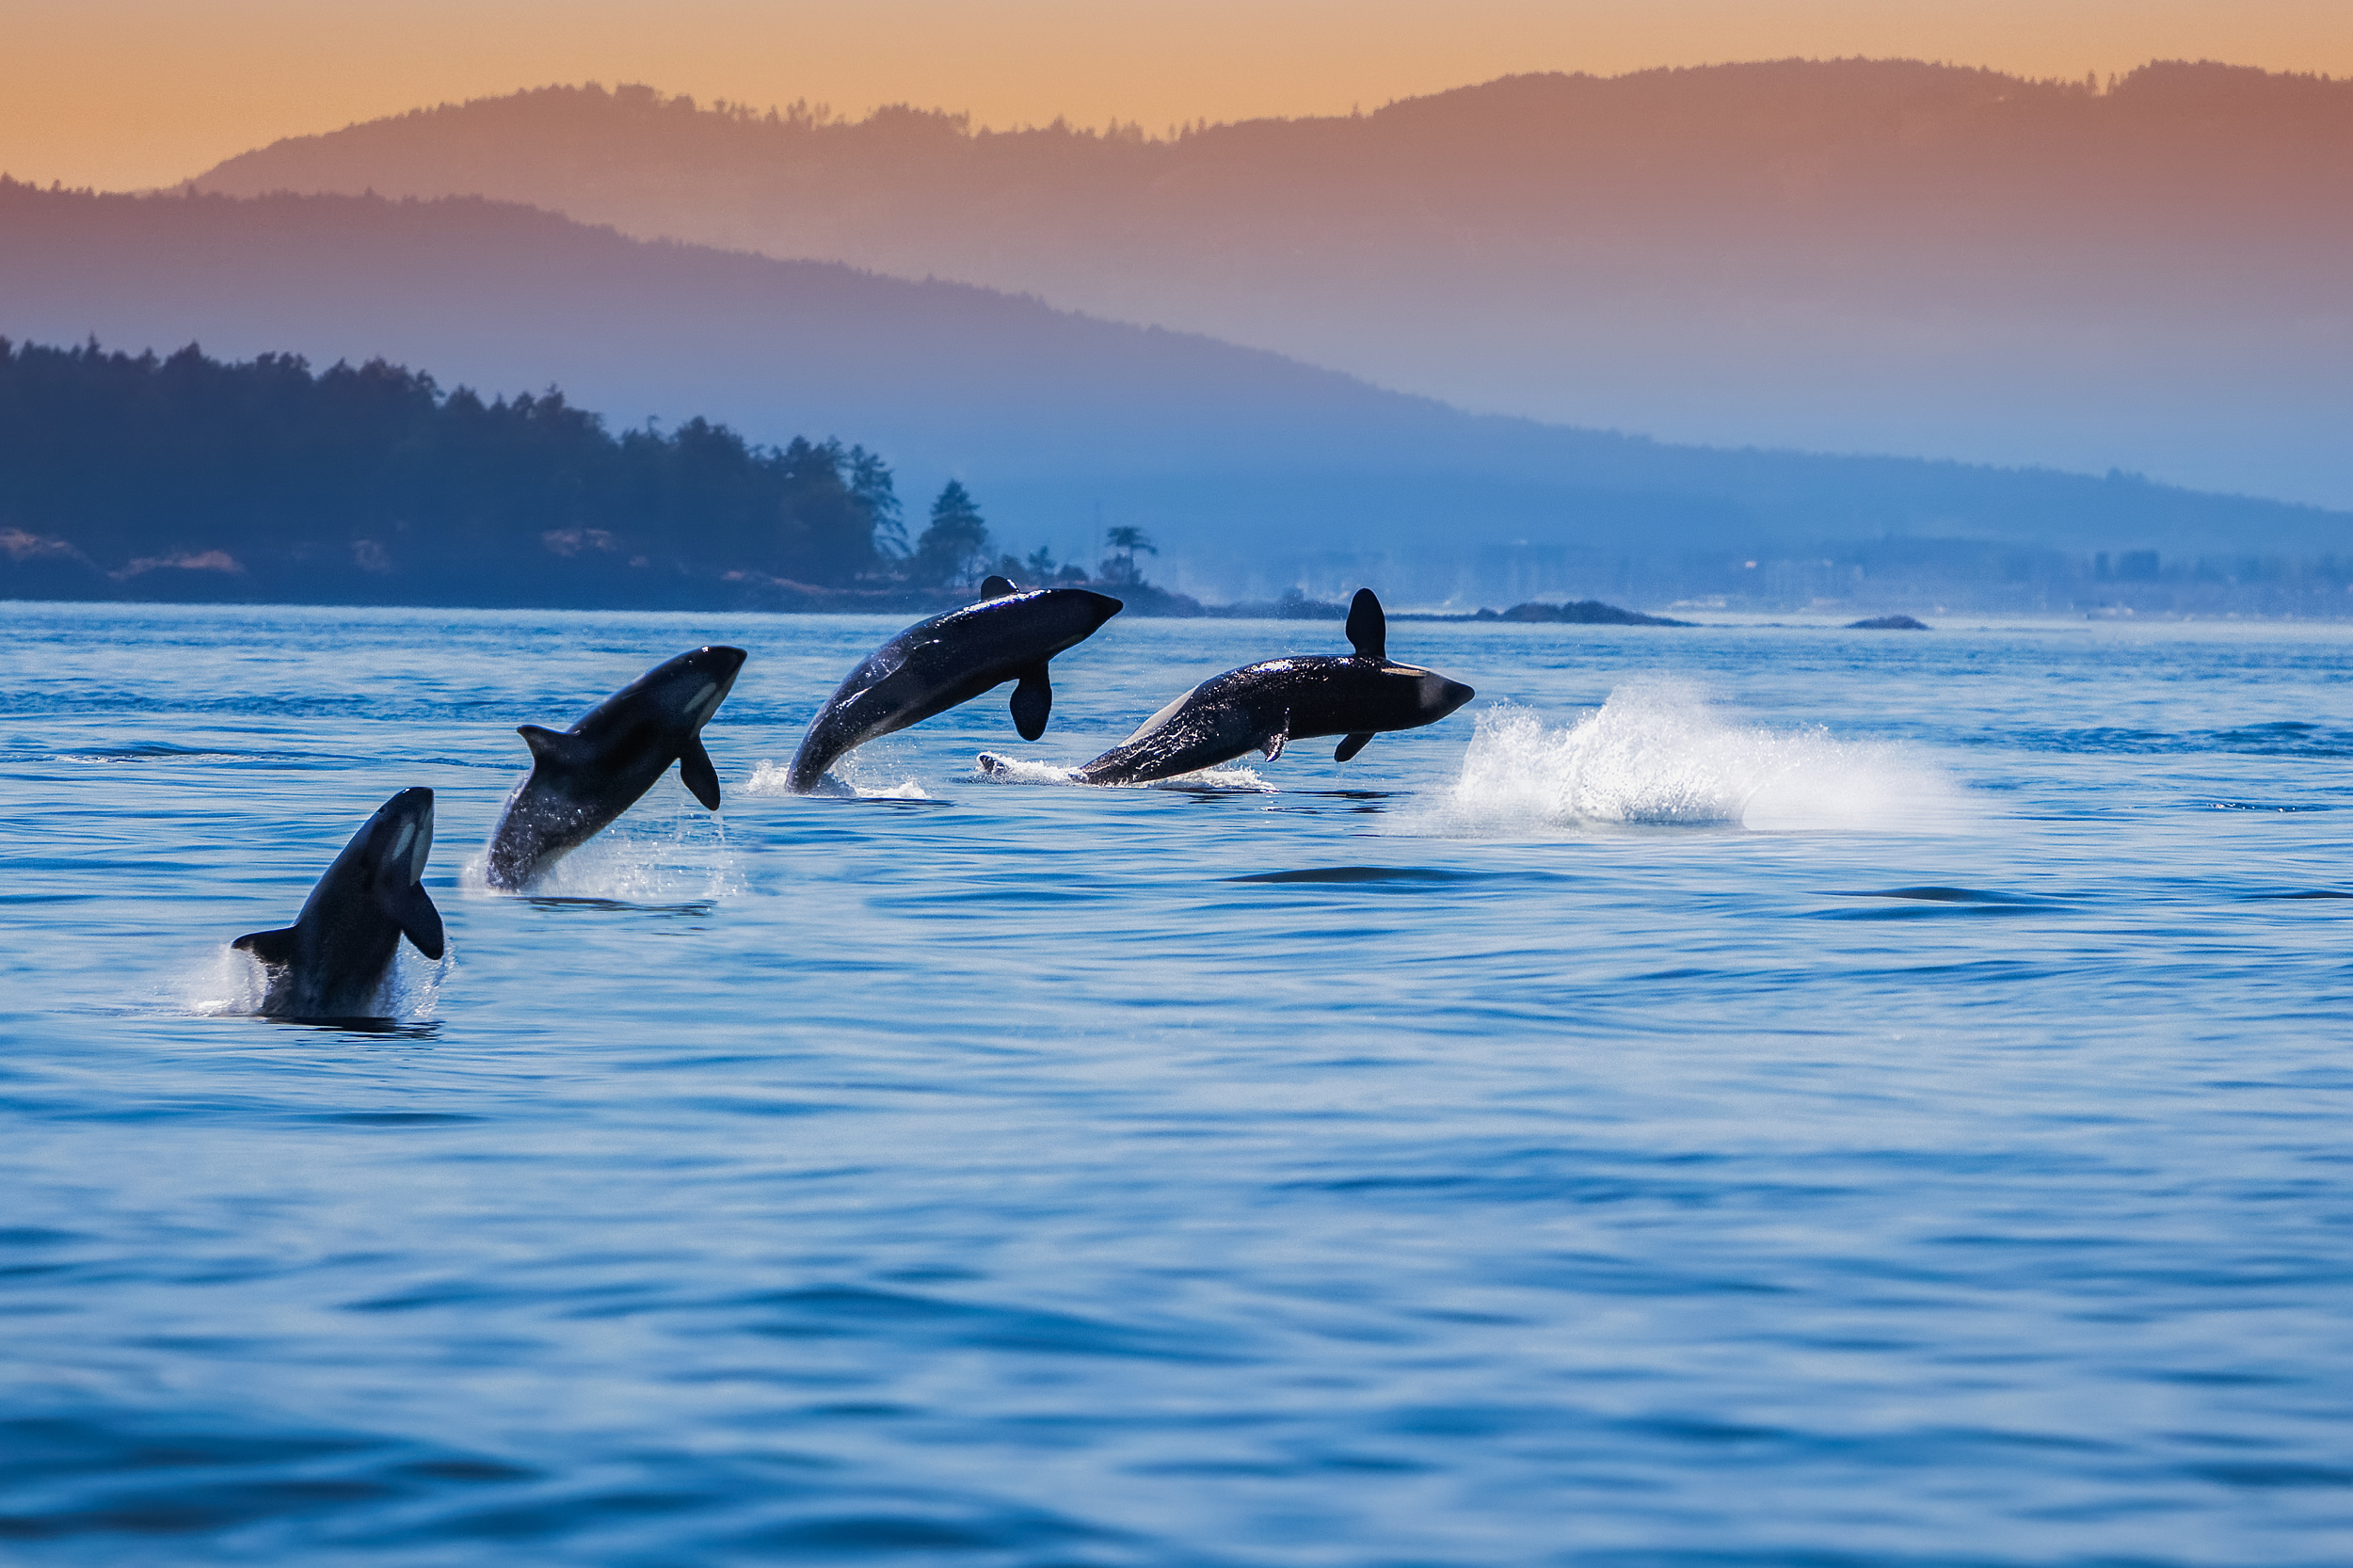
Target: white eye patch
x,y
709,694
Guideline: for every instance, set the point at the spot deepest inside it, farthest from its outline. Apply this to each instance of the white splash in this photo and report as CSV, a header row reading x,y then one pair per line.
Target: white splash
x,y
412,992
846,781
228,983
645,857
994,767
231,983
1655,755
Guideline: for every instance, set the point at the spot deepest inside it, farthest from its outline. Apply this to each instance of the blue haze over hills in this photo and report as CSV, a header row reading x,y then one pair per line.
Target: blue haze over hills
x,y
1881,256
1254,471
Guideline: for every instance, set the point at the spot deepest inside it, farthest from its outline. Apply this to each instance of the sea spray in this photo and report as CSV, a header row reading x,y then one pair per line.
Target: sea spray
x,y
847,779
228,983
1655,755
995,768
645,858
224,983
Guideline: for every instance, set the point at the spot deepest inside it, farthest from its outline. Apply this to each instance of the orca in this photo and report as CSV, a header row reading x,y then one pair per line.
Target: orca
x,y
934,665
1261,706
332,963
590,774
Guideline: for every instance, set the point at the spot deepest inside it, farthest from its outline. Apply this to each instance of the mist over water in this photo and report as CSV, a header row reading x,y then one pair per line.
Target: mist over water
x,y
1743,1094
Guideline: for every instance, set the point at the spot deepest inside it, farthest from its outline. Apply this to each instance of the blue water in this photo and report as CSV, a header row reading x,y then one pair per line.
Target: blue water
x,y
1737,1096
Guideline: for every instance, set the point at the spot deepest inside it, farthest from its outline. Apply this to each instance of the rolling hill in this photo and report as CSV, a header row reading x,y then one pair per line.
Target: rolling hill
x,y
1254,471
1848,255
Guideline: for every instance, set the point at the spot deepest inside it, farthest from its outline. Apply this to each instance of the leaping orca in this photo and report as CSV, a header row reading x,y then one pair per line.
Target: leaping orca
x,y
332,963
934,665
590,774
1261,706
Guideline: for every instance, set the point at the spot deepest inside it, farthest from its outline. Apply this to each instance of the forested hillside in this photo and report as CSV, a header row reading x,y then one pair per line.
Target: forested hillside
x,y
1251,473
187,477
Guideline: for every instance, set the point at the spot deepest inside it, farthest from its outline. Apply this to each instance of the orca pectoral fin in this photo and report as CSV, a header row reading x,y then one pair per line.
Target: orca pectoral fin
x,y
270,947
696,772
1368,628
998,587
1351,745
1272,744
417,919
1032,700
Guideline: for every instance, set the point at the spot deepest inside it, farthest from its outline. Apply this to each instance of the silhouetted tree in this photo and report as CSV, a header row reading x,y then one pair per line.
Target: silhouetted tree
x,y
1120,566
955,545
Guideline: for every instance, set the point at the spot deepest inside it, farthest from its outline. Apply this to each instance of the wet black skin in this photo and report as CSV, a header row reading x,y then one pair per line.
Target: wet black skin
x,y
1260,707
333,962
593,772
950,659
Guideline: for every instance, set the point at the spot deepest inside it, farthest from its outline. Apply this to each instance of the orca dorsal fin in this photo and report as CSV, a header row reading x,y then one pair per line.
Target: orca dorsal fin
x,y
270,947
1032,700
551,747
1368,628
696,772
997,587
1351,745
413,912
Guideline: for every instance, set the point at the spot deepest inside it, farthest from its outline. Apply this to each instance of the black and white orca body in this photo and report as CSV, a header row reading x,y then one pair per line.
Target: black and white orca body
x,y
333,962
1261,706
590,774
934,665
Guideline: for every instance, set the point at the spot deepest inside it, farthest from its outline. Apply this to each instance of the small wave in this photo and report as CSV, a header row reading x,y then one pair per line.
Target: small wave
x,y
2282,738
164,751
1654,755
995,768
1409,876
845,782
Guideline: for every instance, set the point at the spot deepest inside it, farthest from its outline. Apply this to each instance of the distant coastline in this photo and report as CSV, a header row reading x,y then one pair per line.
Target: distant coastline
x,y
195,480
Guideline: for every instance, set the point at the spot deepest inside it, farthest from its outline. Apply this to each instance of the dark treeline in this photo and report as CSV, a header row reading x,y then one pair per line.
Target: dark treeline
x,y
185,478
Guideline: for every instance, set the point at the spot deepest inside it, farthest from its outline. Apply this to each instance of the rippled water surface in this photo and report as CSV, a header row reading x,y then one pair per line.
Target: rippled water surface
x,y
1735,1096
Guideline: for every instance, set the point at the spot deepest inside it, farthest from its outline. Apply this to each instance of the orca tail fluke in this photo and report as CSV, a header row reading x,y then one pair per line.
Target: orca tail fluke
x,y
1032,701
270,947
696,772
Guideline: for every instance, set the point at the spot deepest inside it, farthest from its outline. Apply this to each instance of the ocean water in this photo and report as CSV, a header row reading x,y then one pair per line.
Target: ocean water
x,y
1750,1094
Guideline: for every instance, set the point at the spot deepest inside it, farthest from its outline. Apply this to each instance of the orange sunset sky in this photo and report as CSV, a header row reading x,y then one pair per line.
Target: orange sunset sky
x,y
128,93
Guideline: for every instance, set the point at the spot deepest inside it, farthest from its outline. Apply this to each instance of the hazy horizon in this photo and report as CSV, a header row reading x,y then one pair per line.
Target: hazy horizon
x,y
1864,257
125,94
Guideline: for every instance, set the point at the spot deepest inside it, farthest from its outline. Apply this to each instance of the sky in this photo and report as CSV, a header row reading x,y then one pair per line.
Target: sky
x,y
126,95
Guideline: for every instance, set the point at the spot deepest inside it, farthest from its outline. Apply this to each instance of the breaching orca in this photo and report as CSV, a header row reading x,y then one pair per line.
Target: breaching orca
x,y
593,772
1260,707
332,961
936,664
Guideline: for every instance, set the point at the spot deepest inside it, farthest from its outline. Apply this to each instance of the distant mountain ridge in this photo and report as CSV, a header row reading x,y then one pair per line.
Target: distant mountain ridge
x,y
1254,473
1844,255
